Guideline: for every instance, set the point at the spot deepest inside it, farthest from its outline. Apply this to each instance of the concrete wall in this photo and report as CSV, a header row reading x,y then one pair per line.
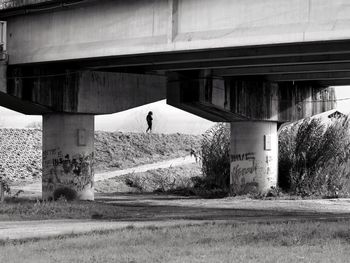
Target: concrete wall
x,y
118,27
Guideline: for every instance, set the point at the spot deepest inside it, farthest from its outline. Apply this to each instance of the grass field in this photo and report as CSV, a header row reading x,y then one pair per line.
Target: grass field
x,y
274,242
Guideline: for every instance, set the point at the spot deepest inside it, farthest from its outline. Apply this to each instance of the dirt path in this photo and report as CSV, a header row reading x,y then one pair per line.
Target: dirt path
x,y
35,188
49,228
146,167
143,210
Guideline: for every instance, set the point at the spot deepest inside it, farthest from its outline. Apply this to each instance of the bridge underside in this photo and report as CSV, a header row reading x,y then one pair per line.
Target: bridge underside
x,y
325,63
254,88
254,67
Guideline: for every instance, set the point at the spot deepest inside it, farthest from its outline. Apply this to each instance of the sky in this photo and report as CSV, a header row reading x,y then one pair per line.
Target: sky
x,y
343,98
167,119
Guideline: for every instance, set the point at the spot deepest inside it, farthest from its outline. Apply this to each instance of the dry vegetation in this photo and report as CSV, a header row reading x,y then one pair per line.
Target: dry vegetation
x,y
159,180
215,154
273,242
314,158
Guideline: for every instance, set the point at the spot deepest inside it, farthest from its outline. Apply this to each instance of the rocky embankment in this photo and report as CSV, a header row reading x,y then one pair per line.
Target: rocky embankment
x,y
20,154
20,151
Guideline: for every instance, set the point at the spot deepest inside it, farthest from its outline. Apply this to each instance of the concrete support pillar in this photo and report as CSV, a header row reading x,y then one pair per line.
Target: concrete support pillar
x,y
254,156
68,154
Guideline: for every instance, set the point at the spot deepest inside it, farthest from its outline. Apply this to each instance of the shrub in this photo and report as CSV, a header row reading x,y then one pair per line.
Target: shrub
x,y
159,180
215,156
314,158
4,185
64,193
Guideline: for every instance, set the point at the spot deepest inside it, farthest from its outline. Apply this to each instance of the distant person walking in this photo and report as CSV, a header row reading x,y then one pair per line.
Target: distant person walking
x,y
149,120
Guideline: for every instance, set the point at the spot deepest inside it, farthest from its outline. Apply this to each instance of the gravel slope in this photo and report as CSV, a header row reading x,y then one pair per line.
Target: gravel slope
x,y
20,151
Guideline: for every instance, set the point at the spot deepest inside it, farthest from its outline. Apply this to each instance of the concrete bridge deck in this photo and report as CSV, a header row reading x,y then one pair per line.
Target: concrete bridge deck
x,y
104,28
279,40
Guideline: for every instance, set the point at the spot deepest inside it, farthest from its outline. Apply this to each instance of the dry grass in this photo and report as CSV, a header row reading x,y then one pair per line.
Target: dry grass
x,y
160,180
314,158
280,242
215,155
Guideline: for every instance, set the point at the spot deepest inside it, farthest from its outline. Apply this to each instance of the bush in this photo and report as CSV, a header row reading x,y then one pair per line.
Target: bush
x,y
4,185
215,156
64,193
314,158
159,180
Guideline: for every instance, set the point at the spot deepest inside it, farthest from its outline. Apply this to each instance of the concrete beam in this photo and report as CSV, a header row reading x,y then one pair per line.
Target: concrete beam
x,y
15,103
327,83
310,76
87,92
234,99
243,63
25,107
316,52
282,69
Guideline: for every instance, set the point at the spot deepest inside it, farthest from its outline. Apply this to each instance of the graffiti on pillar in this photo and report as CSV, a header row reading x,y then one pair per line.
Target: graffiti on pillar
x,y
67,171
271,171
269,161
243,157
244,169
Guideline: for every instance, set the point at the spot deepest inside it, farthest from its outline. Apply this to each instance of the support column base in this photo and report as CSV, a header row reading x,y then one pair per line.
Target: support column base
x,y
68,157
254,157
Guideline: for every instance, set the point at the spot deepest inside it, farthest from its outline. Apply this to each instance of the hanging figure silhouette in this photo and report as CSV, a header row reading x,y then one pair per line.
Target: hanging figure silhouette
x,y
149,120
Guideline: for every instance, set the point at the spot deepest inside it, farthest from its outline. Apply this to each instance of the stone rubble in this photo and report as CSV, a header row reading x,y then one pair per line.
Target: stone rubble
x,y
20,154
20,151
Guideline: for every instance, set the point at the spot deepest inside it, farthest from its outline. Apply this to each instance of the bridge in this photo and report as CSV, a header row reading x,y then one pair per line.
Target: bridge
x,y
255,64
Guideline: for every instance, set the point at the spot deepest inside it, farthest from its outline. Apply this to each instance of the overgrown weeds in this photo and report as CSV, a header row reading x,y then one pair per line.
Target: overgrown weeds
x,y
215,156
314,158
4,185
159,180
